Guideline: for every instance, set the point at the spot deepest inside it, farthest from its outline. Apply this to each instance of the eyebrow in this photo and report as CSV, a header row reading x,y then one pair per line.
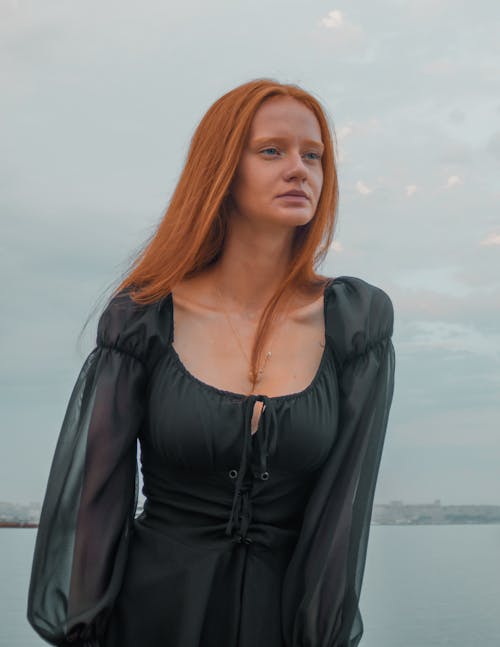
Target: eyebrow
x,y
283,140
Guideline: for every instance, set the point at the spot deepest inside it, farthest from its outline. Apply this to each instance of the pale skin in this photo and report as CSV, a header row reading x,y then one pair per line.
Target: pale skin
x,y
282,153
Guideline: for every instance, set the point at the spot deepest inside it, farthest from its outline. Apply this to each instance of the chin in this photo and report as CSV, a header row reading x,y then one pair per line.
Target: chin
x,y
283,217
295,218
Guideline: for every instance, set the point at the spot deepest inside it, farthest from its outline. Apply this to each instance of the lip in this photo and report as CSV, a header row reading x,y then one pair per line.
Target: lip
x,y
294,194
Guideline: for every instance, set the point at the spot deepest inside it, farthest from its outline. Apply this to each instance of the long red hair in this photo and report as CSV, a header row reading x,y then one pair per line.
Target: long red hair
x,y
190,236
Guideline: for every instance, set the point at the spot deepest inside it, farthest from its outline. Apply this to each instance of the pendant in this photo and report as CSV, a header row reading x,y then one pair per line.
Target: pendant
x,y
260,371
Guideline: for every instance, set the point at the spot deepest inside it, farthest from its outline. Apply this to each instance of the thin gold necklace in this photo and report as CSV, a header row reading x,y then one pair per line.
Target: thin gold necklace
x,y
268,354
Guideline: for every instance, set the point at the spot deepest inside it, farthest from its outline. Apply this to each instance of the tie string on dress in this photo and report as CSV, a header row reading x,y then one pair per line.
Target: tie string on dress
x,y
266,443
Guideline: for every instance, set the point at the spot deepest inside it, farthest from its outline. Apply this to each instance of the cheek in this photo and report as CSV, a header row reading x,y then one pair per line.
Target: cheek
x,y
239,187
256,184
247,189
245,178
318,183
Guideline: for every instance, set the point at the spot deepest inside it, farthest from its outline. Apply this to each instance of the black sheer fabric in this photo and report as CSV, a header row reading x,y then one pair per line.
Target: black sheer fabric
x,y
90,499
311,516
91,494
323,582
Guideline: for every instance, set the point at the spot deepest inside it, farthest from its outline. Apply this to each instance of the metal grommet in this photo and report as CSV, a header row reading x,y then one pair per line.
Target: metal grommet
x,y
264,476
233,474
239,539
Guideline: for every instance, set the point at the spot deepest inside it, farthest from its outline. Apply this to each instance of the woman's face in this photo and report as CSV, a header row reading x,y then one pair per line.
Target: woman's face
x,y
282,154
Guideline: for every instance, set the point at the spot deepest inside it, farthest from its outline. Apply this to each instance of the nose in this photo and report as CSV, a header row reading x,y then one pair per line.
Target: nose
x,y
296,167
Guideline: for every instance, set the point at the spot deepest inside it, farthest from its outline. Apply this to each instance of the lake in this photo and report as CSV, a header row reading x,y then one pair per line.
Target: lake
x,y
424,586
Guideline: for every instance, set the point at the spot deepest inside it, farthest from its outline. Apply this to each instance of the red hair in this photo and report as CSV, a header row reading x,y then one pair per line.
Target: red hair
x,y
190,236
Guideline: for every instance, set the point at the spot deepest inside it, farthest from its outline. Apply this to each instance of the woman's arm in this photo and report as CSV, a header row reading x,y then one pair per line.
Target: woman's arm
x,y
323,582
89,504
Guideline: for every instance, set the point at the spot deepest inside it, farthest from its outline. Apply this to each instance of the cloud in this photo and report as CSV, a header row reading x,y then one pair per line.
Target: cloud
x,y
493,238
95,127
427,10
354,132
456,116
334,20
360,128
439,67
451,337
489,71
341,32
453,180
362,188
473,428
343,132
442,280
493,144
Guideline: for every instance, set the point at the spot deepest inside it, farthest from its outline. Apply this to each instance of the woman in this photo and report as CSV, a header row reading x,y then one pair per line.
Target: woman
x,y
259,392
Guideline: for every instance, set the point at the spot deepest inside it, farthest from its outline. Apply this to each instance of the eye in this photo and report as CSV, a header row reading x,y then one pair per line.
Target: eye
x,y
315,156
271,148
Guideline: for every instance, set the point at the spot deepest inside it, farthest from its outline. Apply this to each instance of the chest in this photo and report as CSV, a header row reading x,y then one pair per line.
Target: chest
x,y
216,349
197,414
193,425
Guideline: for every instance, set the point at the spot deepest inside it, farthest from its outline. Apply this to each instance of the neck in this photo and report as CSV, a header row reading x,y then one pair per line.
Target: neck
x,y
251,267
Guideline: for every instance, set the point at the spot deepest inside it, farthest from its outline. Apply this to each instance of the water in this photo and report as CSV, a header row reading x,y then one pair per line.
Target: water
x,y
424,586
432,586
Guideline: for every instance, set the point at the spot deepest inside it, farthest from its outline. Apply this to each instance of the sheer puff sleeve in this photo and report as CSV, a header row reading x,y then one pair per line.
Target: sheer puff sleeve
x,y
322,584
91,494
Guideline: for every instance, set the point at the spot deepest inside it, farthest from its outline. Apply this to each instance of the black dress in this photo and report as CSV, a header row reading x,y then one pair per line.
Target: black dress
x,y
245,539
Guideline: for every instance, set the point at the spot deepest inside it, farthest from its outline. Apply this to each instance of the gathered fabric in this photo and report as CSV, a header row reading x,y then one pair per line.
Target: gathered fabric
x,y
244,538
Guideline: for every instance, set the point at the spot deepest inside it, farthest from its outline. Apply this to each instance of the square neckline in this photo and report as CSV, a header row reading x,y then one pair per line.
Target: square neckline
x,y
241,396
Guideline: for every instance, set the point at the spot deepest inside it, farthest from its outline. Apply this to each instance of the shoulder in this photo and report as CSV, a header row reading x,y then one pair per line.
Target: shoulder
x,y
139,330
359,315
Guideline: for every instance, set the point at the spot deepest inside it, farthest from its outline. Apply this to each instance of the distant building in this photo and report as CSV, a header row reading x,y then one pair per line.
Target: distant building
x,y
394,513
398,513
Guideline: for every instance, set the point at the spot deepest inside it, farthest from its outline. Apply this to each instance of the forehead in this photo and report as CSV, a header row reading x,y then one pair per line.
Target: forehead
x,y
281,116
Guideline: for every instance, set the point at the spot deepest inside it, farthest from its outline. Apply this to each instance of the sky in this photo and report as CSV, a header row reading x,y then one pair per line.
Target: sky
x,y
99,102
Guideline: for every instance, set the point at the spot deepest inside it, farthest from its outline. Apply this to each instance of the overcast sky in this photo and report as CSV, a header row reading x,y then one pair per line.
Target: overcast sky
x,y
99,101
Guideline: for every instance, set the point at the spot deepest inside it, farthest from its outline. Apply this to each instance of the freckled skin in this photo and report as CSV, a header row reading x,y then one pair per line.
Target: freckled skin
x,y
282,153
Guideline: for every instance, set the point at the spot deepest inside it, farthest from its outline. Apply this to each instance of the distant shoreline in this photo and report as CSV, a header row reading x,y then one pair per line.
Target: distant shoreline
x,y
15,524
394,513
6,524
